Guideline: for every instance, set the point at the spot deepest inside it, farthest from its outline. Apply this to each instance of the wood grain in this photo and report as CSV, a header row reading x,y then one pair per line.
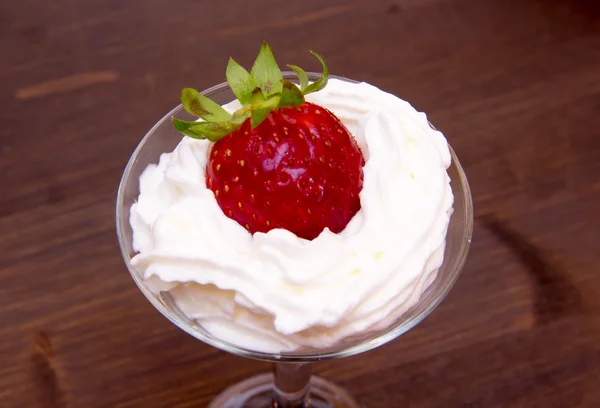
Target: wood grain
x,y
513,84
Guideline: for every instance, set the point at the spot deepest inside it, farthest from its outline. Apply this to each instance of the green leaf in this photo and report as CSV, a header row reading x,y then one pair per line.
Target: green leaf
x,y
199,105
302,76
261,107
212,131
240,81
322,81
265,72
290,95
240,116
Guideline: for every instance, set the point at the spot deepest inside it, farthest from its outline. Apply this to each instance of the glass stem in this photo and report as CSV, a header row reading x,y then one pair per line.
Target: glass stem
x,y
292,383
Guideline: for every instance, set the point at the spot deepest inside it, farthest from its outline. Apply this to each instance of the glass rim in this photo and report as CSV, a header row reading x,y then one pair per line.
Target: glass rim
x,y
391,333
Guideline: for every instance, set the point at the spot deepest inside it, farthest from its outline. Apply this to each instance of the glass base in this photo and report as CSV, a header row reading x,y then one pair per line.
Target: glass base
x,y
257,392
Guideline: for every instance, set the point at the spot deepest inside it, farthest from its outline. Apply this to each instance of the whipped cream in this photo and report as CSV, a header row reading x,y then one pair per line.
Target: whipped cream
x,y
276,292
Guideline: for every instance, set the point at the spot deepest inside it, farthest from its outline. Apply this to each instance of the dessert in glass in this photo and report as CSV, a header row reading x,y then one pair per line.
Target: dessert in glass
x,y
303,217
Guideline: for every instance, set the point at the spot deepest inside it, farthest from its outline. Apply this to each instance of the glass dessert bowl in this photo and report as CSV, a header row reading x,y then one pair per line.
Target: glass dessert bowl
x,y
291,383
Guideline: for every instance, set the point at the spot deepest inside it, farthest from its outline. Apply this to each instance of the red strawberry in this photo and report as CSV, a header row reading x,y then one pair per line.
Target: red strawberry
x,y
300,170
278,162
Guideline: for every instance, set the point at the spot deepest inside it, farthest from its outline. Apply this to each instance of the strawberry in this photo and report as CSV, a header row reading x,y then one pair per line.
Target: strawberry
x,y
300,170
279,161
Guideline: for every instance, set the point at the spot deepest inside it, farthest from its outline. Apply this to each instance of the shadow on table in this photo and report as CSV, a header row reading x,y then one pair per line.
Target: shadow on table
x,y
585,13
555,296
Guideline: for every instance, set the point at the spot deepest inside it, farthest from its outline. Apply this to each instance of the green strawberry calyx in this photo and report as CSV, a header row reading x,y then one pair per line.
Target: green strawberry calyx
x,y
259,91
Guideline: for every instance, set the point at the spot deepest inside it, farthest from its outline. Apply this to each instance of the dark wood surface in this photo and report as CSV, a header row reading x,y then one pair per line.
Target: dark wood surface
x,y
514,85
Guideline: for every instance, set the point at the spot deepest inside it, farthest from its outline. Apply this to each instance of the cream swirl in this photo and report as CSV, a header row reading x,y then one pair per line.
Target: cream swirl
x,y
276,292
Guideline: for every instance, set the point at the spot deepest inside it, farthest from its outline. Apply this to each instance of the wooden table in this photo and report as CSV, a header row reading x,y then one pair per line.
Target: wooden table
x,y
513,84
